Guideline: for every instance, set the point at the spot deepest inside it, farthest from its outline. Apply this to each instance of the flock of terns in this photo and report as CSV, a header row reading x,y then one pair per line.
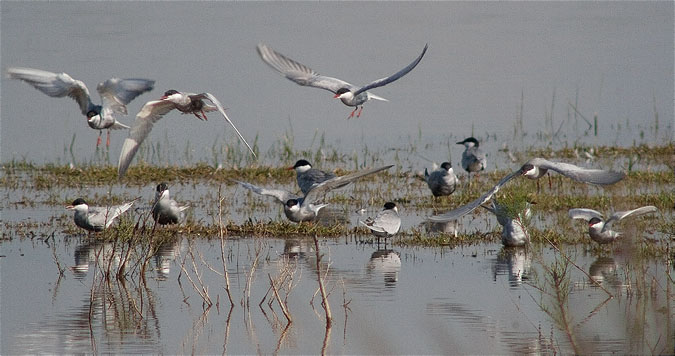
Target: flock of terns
x,y
116,93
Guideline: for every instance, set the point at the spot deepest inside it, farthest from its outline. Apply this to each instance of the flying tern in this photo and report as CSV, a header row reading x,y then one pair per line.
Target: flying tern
x,y
154,110
442,181
350,95
166,210
306,208
115,95
599,229
534,169
96,218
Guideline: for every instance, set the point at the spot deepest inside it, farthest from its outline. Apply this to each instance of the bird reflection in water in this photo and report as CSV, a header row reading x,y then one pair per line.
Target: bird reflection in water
x,y
387,263
604,269
166,254
514,262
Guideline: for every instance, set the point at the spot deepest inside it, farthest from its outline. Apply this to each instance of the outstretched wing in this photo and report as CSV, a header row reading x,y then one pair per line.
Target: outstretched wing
x,y
465,209
337,182
281,195
117,93
586,214
580,174
624,214
222,111
151,112
395,76
55,85
300,73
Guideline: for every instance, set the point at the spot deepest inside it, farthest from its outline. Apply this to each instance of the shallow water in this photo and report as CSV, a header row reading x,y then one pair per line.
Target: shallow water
x,y
479,299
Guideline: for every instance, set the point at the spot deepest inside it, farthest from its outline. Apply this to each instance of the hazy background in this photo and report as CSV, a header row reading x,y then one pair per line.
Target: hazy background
x,y
611,58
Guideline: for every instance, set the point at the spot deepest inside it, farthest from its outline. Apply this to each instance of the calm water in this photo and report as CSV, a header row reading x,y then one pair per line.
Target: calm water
x,y
478,299
613,59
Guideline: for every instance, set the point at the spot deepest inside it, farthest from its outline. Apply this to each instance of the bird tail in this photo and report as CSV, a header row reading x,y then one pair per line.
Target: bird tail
x,y
373,96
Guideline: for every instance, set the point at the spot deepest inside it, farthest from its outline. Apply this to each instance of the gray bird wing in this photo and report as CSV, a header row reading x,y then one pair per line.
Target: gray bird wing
x,y
105,216
300,73
465,209
338,182
56,85
580,174
395,76
281,195
624,214
220,108
388,221
586,214
117,93
151,112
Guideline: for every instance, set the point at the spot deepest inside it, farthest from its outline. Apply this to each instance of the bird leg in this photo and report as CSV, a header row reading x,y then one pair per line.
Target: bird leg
x,y
107,139
360,110
550,185
204,114
353,111
98,141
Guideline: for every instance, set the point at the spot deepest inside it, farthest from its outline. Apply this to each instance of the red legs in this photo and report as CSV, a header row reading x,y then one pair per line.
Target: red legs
x,y
352,114
98,141
359,114
107,139
204,114
203,117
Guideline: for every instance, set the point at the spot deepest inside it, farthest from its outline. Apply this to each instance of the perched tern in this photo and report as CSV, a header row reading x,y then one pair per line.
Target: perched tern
x,y
115,95
166,210
96,218
386,223
350,95
534,169
599,229
308,177
442,181
298,209
473,158
514,223
154,110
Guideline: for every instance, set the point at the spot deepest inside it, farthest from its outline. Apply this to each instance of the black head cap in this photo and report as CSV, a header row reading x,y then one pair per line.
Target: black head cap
x,y
469,139
446,165
301,163
162,187
389,205
171,92
78,201
291,202
91,113
341,91
594,220
526,167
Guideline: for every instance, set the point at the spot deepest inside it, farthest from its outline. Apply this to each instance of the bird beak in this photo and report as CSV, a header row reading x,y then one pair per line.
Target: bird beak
x,y
289,168
70,207
336,96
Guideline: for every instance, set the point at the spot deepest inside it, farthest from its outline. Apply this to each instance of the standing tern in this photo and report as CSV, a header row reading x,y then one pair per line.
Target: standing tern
x,y
96,218
154,110
115,94
350,95
298,209
386,223
533,169
308,177
513,221
598,228
442,181
473,158
166,210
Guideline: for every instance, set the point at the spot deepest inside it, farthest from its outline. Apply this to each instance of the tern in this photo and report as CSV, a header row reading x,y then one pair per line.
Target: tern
x,y
308,177
154,110
386,223
96,218
599,229
298,209
533,169
166,210
115,95
350,94
514,222
442,181
473,158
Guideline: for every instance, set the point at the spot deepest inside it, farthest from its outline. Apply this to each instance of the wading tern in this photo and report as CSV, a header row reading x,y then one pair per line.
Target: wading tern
x,y
442,181
298,209
386,223
473,158
166,210
96,218
599,229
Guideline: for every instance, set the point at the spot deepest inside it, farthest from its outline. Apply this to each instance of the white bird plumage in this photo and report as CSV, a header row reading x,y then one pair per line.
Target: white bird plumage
x,y
386,223
96,218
